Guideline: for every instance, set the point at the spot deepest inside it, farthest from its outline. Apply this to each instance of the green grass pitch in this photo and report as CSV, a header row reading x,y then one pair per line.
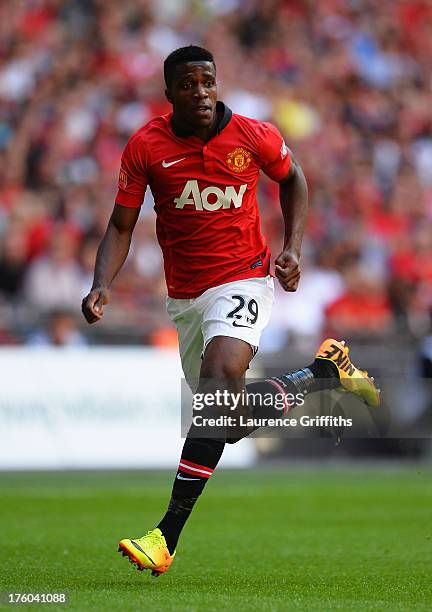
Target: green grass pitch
x,y
297,539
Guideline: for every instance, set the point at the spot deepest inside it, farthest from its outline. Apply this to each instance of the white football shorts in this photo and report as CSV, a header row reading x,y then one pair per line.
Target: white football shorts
x,y
240,309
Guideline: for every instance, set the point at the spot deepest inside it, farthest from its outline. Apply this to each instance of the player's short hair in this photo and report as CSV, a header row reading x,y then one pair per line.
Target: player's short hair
x,y
192,53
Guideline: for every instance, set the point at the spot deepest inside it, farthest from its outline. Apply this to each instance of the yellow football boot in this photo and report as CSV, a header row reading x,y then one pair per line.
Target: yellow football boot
x,y
149,552
352,379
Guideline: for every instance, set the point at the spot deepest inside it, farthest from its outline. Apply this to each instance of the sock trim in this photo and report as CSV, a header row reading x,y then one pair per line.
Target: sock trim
x,y
194,468
279,387
288,405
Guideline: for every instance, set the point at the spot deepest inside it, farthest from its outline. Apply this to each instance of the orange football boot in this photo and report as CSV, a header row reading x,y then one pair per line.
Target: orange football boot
x,y
351,378
149,552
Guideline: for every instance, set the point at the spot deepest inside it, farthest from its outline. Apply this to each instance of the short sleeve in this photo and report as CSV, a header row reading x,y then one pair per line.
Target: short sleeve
x,y
275,155
132,181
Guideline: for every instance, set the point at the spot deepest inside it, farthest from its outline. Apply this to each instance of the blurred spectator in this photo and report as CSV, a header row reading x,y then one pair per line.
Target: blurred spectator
x,y
299,317
55,280
347,82
362,309
60,329
164,337
13,263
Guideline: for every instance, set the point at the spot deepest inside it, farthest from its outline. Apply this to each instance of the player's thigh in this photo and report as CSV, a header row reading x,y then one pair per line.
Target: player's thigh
x,y
240,310
188,322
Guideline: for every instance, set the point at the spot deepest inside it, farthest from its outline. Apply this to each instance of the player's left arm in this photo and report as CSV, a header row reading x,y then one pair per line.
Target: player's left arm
x,y
293,195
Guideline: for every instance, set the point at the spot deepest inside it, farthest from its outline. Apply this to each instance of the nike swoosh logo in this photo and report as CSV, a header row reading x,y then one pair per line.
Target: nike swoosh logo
x,y
168,164
235,324
180,477
138,547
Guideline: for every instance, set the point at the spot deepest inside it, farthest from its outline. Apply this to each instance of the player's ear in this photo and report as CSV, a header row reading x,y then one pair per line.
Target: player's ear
x,y
168,96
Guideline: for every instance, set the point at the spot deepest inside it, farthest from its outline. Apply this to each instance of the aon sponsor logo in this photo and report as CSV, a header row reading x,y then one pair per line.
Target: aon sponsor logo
x,y
210,198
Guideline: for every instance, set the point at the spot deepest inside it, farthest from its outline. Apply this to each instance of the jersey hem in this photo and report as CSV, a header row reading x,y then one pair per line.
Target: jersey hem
x,y
179,295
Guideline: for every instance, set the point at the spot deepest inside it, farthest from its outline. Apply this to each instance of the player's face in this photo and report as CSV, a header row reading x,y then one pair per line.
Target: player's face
x,y
193,94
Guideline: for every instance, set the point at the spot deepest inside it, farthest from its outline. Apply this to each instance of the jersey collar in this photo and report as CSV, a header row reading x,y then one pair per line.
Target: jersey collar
x,y
224,116
223,113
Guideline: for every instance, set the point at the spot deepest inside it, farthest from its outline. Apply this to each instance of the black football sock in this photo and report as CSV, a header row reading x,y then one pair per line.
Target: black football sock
x,y
325,373
199,458
319,375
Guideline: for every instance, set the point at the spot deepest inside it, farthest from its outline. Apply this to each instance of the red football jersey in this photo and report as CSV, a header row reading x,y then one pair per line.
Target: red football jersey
x,y
207,222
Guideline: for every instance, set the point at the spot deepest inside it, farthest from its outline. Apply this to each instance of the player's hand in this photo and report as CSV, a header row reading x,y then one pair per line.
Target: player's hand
x,y
287,270
92,305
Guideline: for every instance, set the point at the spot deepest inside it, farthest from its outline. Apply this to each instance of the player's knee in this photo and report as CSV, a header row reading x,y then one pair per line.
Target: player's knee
x,y
222,370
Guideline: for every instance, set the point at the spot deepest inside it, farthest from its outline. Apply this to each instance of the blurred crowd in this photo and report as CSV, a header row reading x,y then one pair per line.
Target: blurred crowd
x,y
348,82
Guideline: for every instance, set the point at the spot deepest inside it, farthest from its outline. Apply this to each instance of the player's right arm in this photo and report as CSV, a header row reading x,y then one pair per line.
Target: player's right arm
x,y
112,253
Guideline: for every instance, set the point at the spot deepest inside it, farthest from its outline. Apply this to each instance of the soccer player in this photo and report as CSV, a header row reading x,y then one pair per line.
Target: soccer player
x,y
202,164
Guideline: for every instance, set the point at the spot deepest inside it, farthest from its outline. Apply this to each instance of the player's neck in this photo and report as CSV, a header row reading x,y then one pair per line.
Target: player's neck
x,y
185,130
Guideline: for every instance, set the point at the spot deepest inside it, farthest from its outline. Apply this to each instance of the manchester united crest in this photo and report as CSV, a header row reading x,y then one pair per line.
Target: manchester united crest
x,y
239,159
122,179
